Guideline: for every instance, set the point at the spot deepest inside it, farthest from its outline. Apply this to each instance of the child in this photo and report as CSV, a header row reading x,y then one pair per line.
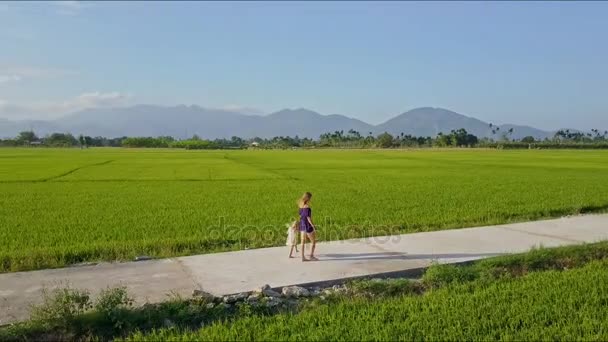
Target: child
x,y
292,237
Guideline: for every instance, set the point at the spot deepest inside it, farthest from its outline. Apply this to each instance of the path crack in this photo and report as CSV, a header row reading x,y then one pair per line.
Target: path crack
x,y
188,273
540,234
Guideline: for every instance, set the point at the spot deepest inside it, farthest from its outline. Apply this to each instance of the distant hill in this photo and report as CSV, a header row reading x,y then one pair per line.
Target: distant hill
x,y
184,121
428,121
306,123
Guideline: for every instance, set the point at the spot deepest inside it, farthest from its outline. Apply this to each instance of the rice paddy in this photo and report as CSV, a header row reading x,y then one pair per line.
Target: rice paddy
x,y
67,206
547,306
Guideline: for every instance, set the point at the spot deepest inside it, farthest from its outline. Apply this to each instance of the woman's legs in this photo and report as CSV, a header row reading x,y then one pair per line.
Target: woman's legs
x,y
303,238
313,239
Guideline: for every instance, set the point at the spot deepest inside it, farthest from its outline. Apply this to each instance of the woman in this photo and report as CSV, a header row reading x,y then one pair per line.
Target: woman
x,y
307,228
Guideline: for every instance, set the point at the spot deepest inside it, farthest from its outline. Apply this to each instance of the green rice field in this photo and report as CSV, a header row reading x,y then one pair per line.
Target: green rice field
x,y
67,206
547,306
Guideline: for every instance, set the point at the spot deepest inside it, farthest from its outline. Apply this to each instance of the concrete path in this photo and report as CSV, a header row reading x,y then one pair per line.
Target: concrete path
x,y
232,272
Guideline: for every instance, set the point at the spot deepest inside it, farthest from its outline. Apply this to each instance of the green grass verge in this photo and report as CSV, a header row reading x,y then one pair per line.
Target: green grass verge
x,y
546,294
550,305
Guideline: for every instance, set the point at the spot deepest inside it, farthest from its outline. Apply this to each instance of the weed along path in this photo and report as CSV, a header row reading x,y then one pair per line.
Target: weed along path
x,y
241,271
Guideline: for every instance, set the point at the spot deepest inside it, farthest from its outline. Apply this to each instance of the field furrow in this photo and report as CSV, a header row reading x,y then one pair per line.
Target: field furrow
x,y
114,204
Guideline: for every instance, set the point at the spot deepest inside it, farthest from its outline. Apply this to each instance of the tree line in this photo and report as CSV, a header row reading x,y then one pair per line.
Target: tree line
x,y
337,139
29,138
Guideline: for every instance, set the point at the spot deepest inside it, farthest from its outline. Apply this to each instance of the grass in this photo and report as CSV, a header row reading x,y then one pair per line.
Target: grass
x,y
546,294
561,295
66,206
549,305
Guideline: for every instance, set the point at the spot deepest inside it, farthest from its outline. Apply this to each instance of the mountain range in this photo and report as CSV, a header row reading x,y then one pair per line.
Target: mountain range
x,y
184,121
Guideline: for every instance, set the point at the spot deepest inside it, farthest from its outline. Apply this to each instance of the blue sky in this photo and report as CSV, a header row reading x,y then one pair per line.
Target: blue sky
x,y
542,64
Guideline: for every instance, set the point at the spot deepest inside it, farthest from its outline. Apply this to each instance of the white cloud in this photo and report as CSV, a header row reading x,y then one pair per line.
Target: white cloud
x,y
95,99
68,7
18,73
241,109
9,78
54,109
68,4
58,7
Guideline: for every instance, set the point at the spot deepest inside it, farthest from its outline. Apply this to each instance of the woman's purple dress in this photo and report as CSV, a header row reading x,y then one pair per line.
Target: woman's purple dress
x,y
305,226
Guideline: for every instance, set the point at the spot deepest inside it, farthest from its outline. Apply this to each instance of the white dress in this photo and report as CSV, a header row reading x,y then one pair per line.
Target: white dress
x,y
291,237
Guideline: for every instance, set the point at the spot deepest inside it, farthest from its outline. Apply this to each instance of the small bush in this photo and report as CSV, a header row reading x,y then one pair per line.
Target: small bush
x,y
494,273
383,287
441,275
542,259
113,299
112,304
61,306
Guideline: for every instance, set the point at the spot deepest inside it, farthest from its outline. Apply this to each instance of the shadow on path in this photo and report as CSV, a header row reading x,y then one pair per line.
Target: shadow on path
x,y
400,256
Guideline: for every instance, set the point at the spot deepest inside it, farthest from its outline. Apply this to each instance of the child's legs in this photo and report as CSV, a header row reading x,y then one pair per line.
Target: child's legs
x,y
291,250
294,241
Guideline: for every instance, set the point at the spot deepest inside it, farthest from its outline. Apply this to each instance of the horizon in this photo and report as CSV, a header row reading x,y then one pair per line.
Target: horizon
x,y
367,61
296,109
